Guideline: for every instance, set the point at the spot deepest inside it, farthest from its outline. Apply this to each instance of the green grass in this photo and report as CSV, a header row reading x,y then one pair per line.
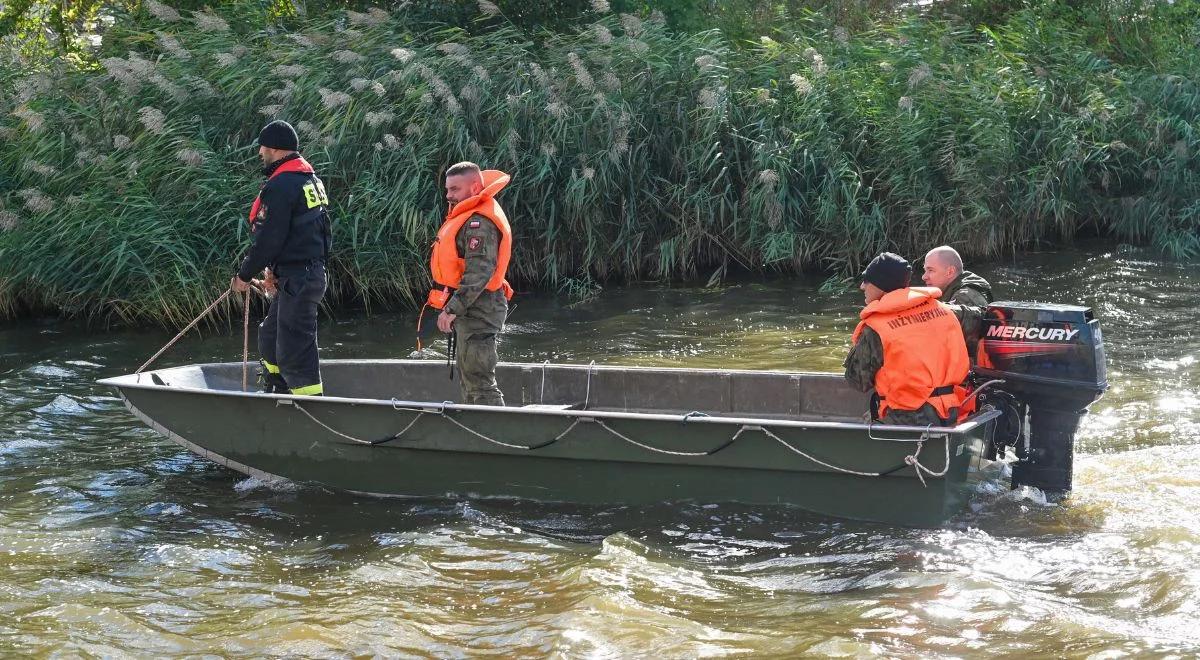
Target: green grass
x,y
636,152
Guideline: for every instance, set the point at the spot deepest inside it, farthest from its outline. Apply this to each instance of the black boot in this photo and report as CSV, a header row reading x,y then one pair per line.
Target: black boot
x,y
271,383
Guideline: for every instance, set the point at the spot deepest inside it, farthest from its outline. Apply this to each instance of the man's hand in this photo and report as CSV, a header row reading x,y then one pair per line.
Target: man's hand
x,y
268,283
238,285
446,321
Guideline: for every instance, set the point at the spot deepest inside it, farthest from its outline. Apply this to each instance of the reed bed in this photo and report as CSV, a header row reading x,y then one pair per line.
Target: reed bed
x,y
637,152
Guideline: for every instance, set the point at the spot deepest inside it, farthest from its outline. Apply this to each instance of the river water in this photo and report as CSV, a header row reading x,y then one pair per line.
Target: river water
x,y
115,542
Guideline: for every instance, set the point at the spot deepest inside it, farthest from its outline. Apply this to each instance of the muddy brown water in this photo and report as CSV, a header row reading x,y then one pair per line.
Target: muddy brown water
x,y
115,542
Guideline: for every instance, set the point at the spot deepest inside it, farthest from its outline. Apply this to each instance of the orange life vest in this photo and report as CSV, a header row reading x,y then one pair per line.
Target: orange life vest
x,y
924,354
447,265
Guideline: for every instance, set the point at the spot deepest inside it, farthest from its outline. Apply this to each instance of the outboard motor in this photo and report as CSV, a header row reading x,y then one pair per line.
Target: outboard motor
x,y
1051,359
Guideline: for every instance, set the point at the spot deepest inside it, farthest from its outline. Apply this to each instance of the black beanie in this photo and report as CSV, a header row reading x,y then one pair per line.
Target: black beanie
x,y
888,271
279,135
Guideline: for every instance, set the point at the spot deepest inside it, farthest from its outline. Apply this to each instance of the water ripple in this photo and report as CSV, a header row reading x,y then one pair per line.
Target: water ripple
x,y
118,543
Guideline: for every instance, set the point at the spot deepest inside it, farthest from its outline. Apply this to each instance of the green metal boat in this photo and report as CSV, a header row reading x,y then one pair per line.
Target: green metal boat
x,y
570,433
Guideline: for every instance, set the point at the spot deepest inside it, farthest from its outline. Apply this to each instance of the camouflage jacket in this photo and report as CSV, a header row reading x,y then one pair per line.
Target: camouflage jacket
x,y
968,295
477,309
864,360
968,289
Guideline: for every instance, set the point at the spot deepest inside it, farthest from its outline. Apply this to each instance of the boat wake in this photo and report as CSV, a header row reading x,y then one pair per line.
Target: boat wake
x,y
273,485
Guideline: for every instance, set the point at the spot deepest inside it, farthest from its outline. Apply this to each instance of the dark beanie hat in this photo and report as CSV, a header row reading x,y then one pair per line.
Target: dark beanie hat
x,y
888,271
279,135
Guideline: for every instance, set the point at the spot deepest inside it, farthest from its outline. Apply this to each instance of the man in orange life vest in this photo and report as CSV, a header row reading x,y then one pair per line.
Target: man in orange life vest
x,y
289,221
469,261
909,347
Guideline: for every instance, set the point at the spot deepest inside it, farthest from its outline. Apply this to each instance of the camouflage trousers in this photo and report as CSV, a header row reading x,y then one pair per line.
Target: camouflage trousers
x,y
926,415
476,363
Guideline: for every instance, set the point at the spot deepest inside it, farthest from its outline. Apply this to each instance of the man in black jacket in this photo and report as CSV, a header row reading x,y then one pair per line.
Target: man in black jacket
x,y
290,227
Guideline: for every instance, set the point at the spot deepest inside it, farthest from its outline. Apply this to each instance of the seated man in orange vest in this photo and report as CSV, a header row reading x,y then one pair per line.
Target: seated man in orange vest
x,y
909,347
469,261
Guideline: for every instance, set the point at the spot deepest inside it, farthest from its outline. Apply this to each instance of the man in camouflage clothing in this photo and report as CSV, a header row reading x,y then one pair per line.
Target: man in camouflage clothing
x,y
886,273
864,360
967,293
474,314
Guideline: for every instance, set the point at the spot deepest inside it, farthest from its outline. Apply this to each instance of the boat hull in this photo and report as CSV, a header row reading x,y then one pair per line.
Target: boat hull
x,y
425,449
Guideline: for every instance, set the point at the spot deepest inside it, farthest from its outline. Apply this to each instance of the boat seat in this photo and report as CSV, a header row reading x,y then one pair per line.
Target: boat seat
x,y
554,406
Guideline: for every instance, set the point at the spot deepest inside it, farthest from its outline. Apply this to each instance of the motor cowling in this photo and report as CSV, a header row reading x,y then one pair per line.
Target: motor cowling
x,y
1051,359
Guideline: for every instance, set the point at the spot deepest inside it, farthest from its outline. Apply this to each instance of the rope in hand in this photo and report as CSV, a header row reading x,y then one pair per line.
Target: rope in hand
x,y
191,325
208,310
245,340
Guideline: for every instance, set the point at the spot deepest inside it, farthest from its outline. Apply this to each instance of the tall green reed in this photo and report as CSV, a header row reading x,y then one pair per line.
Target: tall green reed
x,y
636,152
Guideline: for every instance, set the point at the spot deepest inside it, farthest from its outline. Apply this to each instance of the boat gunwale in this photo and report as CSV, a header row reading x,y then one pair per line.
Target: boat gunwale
x,y
133,381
